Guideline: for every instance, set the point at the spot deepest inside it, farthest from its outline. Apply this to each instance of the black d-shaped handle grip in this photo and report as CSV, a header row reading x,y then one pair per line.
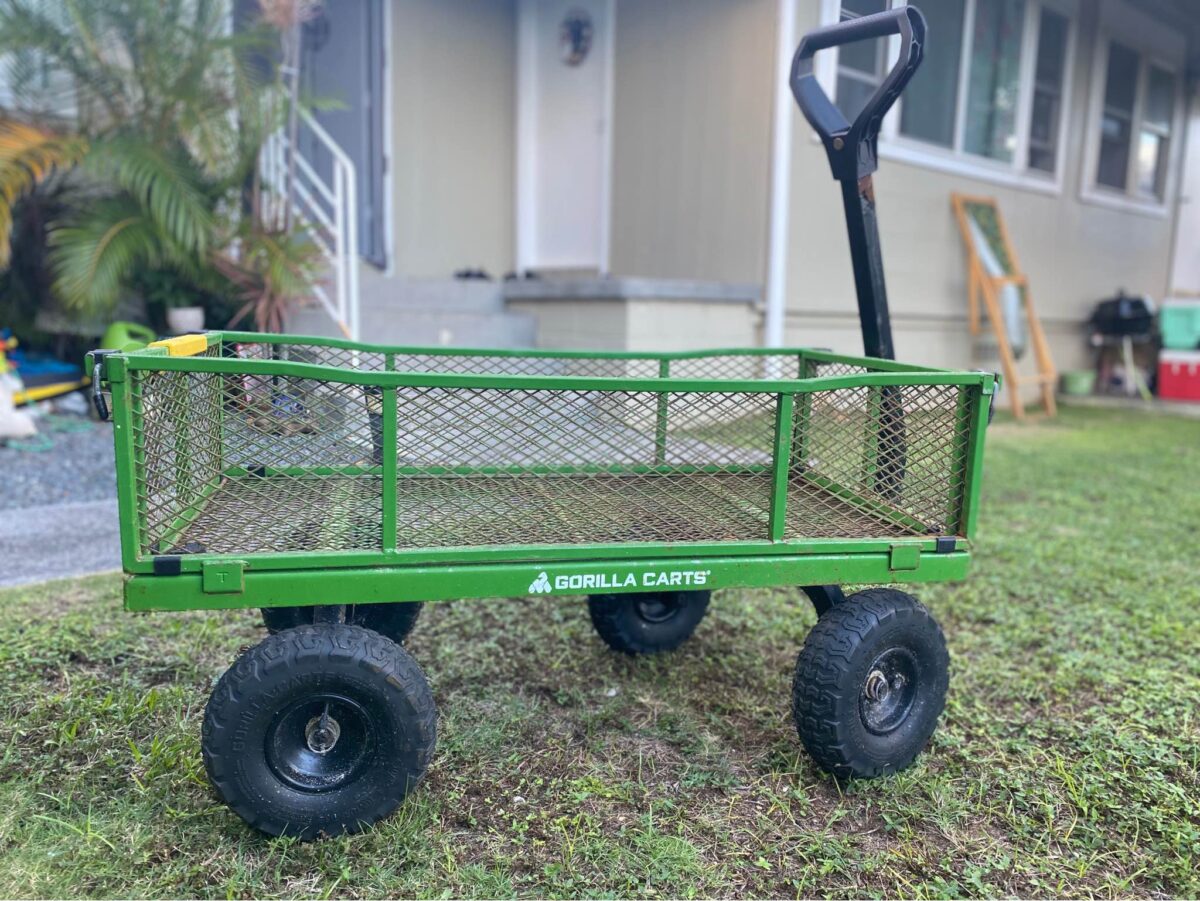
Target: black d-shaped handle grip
x,y
852,148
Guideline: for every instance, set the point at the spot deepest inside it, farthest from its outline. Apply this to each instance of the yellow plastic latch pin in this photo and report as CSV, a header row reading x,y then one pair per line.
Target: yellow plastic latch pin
x,y
183,345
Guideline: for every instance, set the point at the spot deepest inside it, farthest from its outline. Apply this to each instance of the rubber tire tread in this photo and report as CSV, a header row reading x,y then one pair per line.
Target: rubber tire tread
x,y
826,687
617,622
395,620
233,734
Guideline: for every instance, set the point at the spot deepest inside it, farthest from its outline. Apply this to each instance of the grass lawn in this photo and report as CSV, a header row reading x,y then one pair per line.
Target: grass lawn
x,y
1067,761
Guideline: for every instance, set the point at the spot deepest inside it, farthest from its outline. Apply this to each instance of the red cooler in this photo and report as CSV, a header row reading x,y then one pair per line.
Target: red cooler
x,y
1179,375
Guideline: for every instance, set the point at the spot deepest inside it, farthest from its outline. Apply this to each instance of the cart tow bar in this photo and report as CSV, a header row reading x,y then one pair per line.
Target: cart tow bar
x,y
853,151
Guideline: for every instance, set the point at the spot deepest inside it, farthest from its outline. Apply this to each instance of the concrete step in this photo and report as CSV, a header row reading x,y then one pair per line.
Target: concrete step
x,y
405,326
378,291
449,328
448,312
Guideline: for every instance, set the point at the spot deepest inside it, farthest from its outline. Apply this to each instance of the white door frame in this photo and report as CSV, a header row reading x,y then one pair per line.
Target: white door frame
x,y
780,207
527,134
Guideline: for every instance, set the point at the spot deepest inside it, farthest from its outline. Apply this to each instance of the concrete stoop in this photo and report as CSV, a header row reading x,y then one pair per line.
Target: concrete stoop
x,y
443,312
552,312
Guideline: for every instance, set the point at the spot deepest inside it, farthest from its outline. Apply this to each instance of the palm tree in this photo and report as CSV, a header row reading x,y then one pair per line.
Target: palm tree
x,y
29,156
165,111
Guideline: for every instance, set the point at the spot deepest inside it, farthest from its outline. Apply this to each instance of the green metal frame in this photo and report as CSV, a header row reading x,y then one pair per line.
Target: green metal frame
x,y
402,574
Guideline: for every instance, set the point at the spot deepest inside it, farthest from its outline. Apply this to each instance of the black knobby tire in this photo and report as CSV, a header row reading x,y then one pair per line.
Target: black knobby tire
x,y
319,730
870,684
395,621
647,623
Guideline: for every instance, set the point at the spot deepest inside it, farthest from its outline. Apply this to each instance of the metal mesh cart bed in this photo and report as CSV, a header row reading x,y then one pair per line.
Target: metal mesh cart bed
x,y
270,445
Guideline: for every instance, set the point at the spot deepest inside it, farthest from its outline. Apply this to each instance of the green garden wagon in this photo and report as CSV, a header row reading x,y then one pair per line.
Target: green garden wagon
x,y
337,486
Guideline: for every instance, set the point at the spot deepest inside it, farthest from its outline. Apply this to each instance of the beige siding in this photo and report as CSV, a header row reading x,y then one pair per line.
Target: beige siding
x,y
579,324
453,112
640,324
1074,252
691,138
691,162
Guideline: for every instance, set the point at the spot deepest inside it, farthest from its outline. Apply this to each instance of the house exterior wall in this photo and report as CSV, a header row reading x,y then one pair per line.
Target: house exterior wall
x,y
691,173
691,138
453,82
1075,252
693,91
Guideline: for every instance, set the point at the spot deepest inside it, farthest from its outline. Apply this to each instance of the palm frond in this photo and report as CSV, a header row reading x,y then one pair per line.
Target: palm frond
x,y
175,107
94,256
166,188
61,36
29,155
272,271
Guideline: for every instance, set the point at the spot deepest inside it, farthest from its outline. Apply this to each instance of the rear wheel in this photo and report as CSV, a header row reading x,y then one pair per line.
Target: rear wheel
x,y
870,684
647,623
394,621
319,730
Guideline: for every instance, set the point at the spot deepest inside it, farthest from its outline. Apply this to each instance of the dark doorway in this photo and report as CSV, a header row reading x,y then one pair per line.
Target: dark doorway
x,y
341,66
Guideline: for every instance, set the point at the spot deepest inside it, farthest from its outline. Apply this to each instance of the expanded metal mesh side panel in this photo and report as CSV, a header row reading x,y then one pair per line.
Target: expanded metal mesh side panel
x,y
716,366
495,467
869,462
176,434
315,354
246,463
285,423
289,514
478,364
748,367
241,464
819,369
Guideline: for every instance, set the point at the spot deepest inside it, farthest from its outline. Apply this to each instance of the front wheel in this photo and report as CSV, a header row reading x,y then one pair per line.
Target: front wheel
x,y
647,623
870,684
319,730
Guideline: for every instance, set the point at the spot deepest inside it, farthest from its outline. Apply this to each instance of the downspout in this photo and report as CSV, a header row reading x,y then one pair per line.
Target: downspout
x,y
1187,186
781,178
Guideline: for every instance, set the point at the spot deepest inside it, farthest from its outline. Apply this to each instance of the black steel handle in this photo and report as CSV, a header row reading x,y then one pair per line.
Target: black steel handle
x,y
98,393
852,147
97,360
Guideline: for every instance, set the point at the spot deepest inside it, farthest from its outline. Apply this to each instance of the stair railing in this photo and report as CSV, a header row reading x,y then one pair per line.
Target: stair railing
x,y
328,209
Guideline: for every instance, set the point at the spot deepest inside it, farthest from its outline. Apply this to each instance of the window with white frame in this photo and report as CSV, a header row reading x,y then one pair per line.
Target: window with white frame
x,y
862,65
28,82
991,90
1136,124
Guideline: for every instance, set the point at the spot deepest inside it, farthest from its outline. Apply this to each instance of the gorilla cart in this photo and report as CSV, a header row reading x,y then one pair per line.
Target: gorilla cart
x,y
337,486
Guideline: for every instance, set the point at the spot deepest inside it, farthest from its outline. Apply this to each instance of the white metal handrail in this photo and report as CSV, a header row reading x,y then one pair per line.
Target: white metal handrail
x,y
329,211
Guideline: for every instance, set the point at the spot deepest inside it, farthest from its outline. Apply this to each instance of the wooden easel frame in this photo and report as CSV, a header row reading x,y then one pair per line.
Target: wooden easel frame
x,y
980,283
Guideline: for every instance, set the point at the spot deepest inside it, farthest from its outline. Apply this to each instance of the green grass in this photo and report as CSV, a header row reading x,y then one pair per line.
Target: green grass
x,y
1067,762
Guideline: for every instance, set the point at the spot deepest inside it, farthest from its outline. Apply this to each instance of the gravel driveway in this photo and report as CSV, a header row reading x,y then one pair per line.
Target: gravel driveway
x,y
58,508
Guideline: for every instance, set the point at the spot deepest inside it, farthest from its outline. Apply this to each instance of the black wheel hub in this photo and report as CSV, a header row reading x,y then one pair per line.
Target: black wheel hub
x,y
658,607
320,742
888,691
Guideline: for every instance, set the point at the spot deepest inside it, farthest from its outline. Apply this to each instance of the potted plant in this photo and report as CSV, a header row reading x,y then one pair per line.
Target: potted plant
x,y
172,299
185,319
269,269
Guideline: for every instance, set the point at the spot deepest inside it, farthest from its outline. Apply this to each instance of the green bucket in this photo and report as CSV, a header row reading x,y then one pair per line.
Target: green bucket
x,y
126,336
1079,382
